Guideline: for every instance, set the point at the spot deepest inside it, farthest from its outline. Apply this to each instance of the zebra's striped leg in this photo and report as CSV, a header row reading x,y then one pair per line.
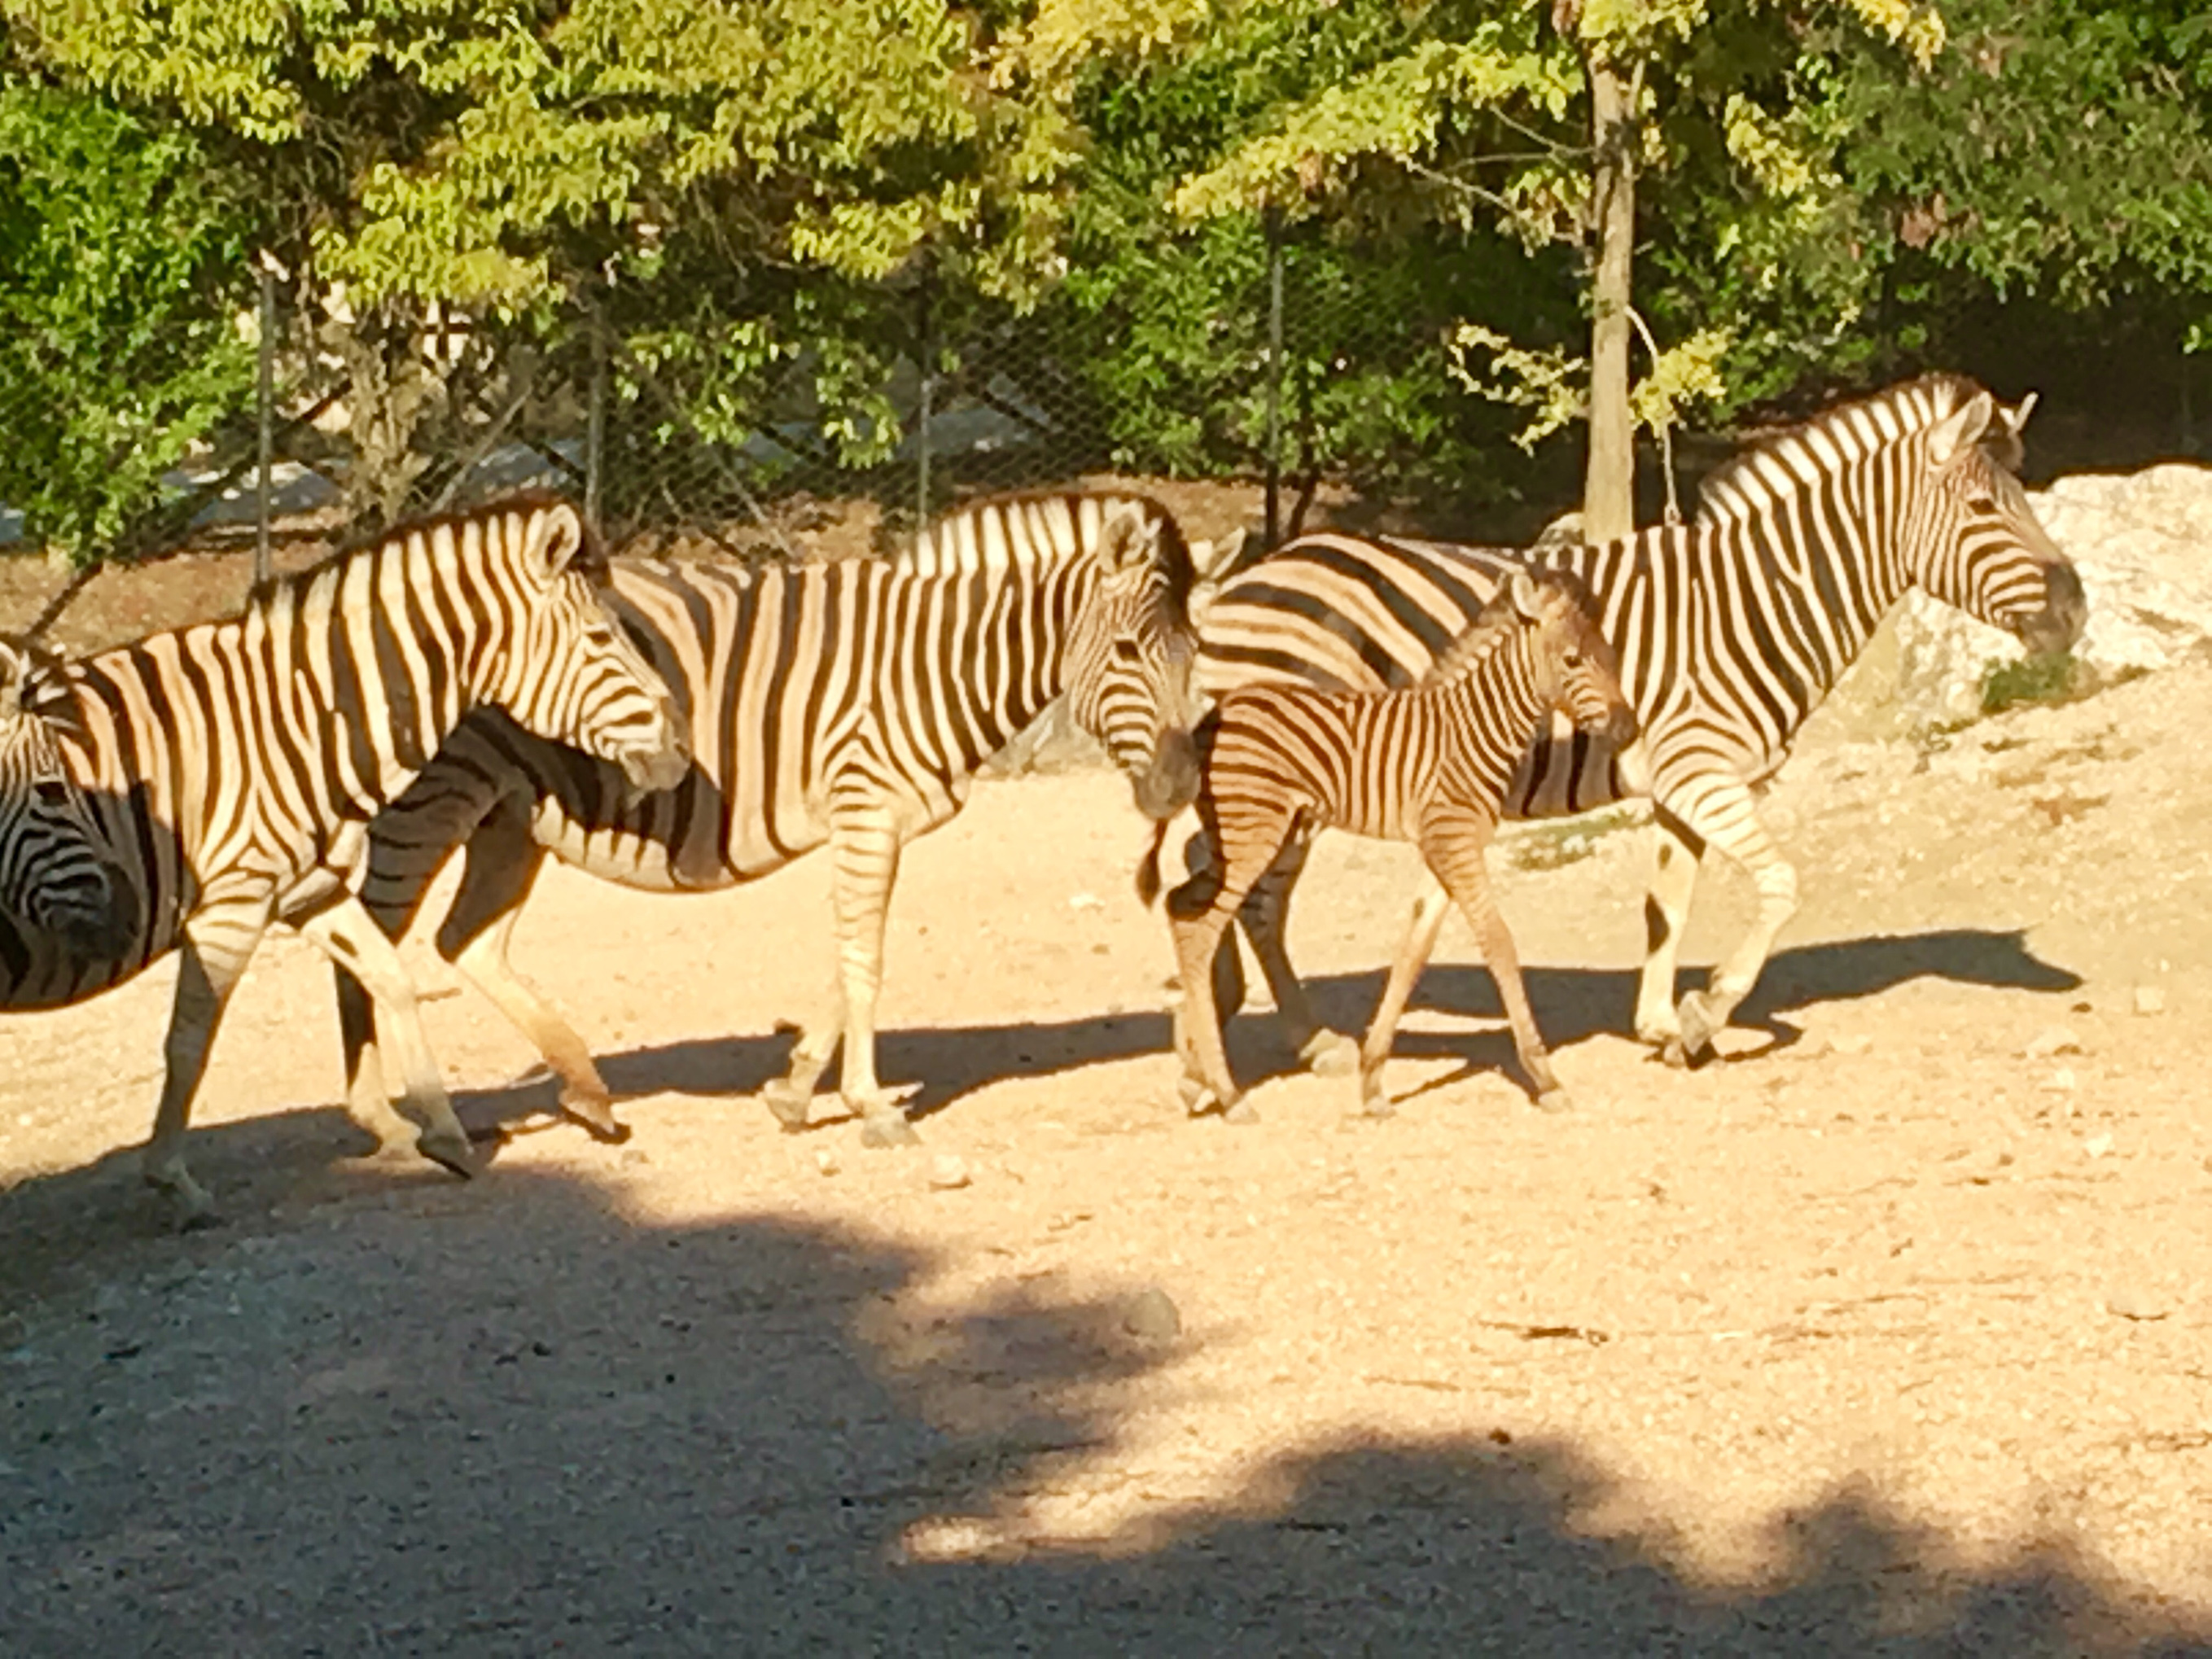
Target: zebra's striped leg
x,y
1454,850
350,938
217,943
1266,916
1228,963
1726,814
1676,850
865,855
1419,945
366,1102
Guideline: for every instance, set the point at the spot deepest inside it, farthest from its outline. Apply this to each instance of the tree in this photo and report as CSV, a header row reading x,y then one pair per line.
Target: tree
x,y
123,273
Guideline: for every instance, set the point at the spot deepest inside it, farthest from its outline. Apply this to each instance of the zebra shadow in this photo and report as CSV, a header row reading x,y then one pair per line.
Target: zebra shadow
x,y
1571,1005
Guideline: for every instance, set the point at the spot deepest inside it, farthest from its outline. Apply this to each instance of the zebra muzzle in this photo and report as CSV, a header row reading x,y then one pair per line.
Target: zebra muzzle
x,y
1171,782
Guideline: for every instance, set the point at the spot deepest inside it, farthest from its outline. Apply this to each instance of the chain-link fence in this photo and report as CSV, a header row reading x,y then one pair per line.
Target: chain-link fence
x,y
1305,375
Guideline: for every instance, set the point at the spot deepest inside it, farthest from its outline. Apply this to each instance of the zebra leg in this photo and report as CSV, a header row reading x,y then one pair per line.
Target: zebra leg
x,y
1419,945
366,1102
217,946
1727,815
1676,850
1266,915
350,938
1228,963
501,866
1455,853
865,851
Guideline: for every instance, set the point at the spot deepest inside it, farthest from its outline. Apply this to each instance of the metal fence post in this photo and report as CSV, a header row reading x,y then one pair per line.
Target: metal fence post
x,y
1275,221
266,414
922,418
595,427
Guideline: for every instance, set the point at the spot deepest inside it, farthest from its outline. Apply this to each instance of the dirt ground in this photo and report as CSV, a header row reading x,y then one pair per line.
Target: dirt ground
x,y
1884,1332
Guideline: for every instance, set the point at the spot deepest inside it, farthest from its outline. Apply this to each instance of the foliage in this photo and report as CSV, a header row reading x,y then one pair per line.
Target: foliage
x,y
123,266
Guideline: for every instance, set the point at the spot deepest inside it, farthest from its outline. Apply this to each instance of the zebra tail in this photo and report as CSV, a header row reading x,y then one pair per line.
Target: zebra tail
x,y
1148,872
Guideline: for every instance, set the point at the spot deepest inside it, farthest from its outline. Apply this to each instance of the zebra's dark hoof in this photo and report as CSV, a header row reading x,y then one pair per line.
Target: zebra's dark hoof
x,y
790,1104
596,1113
444,1150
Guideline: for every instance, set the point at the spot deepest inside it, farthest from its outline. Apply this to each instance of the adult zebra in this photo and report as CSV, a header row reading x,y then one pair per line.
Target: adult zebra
x,y
850,703
1730,630
57,878
232,767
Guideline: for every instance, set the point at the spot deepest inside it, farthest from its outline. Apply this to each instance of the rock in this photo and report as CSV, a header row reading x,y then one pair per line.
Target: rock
x,y
947,1172
2097,1145
1151,1316
2060,1082
2051,1041
2149,1000
2132,1303
826,1162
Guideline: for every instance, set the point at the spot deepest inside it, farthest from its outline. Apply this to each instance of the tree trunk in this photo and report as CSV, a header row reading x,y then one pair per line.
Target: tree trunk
x,y
1609,488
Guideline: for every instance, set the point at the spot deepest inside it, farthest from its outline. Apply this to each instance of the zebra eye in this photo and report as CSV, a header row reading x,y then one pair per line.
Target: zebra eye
x,y
1573,660
1128,652
1984,504
53,793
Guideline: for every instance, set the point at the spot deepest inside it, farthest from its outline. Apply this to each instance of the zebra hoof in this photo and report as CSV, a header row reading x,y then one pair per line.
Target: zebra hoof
x,y
790,1104
1330,1054
451,1153
1239,1111
1377,1105
1699,1023
1674,1056
1555,1100
596,1113
1197,1098
885,1131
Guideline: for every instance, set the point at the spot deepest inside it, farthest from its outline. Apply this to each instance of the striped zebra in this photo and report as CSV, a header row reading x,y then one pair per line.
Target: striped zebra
x,y
1429,765
57,878
232,766
1730,630
850,703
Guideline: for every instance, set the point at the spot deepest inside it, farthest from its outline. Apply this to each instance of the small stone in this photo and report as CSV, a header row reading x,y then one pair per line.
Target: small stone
x,y
2052,1039
1151,1317
2097,1145
826,1162
2060,1082
1852,1043
2136,1304
634,1156
947,1172
2149,1000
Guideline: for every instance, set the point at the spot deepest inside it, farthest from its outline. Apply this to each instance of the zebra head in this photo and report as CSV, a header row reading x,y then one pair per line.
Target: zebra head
x,y
1980,546
1572,663
56,870
1127,665
573,675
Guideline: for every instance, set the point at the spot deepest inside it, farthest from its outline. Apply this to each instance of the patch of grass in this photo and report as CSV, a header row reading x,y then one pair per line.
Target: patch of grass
x,y
2047,679
1555,845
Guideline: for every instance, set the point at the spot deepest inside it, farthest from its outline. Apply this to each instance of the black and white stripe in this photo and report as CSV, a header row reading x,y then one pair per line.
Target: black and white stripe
x,y
58,879
850,703
1729,631
232,767
1429,765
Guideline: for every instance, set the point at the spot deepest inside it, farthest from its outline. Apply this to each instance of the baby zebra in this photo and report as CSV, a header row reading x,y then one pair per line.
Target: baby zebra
x,y
1428,764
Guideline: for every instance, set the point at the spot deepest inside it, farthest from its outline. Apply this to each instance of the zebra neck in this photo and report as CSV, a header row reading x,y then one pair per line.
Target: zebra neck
x,y
1495,707
1000,651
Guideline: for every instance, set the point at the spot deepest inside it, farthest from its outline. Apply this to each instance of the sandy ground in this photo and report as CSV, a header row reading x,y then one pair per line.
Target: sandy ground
x,y
1885,1332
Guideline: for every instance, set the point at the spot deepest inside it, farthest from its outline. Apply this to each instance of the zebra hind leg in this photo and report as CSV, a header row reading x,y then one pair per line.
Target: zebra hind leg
x,y
1199,914
791,1096
1266,916
1413,954
366,1103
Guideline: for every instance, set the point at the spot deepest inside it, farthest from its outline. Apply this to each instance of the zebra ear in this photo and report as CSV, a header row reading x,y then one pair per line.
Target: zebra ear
x,y
14,675
556,536
1130,539
2017,416
1214,560
1527,595
1961,430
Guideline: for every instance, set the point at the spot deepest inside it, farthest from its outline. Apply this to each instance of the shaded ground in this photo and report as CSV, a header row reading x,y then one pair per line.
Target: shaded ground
x,y
1885,1334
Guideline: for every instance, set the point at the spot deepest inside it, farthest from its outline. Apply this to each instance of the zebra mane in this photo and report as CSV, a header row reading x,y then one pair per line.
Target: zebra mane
x,y
45,691
591,559
974,536
1784,463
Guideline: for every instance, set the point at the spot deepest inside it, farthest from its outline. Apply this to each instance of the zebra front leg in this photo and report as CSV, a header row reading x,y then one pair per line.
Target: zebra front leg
x,y
1676,851
1727,815
366,1103
1199,914
1413,954
346,933
1228,962
865,854
1454,850
217,945
1266,915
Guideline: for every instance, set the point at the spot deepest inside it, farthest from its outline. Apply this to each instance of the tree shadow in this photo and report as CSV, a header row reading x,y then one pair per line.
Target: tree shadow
x,y
1571,1005
513,1419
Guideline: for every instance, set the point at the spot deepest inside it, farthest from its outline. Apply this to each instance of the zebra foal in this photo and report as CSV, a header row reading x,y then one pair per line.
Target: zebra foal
x,y
848,703
1428,765
1730,630
232,767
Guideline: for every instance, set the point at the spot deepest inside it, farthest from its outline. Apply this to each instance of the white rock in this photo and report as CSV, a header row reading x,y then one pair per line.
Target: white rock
x,y
2149,1000
947,1172
826,1162
2052,1039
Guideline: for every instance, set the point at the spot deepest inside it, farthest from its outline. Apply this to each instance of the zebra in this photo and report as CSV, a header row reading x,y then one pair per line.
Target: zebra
x,y
1730,629
847,702
1430,765
57,875
232,766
